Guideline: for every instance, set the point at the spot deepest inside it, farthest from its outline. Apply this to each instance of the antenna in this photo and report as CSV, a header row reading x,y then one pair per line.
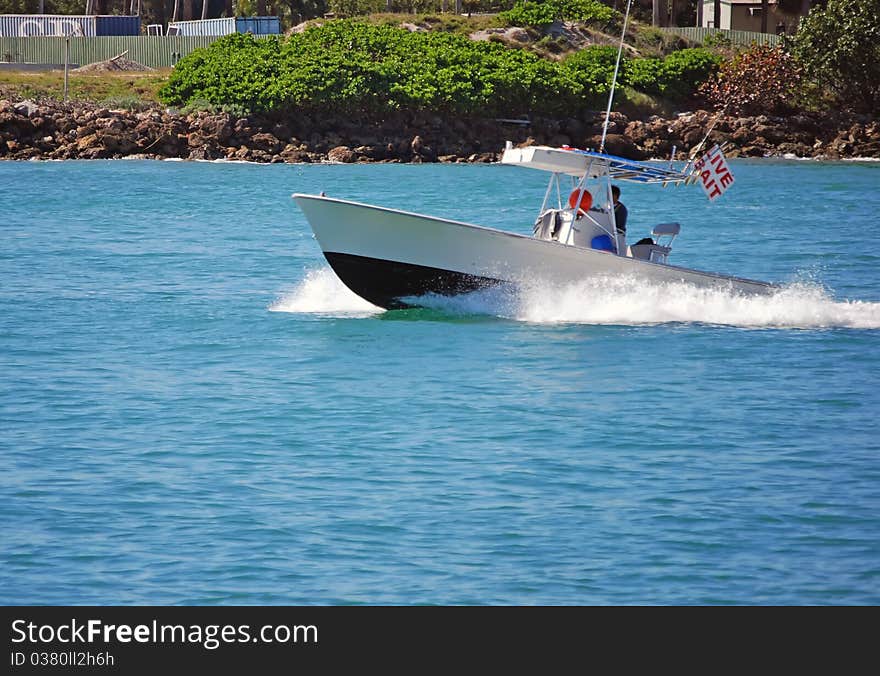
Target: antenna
x,y
614,79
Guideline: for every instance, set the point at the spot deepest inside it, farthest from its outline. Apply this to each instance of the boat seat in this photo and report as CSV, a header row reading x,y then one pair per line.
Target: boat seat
x,y
671,229
650,252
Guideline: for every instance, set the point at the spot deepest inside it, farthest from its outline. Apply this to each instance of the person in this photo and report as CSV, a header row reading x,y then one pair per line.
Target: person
x,y
620,215
620,212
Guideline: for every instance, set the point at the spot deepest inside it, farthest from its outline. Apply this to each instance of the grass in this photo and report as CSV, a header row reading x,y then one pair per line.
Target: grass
x,y
117,87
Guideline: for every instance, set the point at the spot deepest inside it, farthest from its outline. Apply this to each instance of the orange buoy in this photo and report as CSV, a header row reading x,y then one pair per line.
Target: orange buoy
x,y
586,199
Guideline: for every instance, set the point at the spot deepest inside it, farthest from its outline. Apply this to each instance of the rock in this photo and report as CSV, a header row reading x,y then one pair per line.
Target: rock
x,y
206,152
636,131
513,34
295,156
282,131
54,130
87,142
195,140
257,155
266,143
371,152
617,144
422,152
27,108
218,127
751,151
742,135
342,154
482,157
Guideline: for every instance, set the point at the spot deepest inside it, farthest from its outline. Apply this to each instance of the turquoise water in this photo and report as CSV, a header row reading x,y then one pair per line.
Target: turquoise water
x,y
193,410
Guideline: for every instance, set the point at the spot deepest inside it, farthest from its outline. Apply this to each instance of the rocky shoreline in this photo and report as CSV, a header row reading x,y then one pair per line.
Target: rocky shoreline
x,y
51,130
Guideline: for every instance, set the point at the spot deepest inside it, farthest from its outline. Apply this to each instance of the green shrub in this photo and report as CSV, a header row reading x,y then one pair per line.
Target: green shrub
x,y
350,67
676,77
593,68
542,13
347,66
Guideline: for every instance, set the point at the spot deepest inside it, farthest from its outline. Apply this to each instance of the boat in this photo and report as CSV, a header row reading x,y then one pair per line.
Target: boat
x,y
396,259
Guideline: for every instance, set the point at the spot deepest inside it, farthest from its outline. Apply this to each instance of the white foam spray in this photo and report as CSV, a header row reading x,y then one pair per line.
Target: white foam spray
x,y
634,302
613,301
321,292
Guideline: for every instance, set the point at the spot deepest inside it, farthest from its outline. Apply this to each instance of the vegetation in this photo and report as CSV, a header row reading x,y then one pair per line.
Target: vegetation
x,y
358,68
839,47
542,13
675,77
762,79
109,88
370,66
354,67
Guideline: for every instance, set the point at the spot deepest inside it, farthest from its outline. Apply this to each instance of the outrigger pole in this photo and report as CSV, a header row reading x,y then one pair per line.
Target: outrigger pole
x,y
696,149
614,80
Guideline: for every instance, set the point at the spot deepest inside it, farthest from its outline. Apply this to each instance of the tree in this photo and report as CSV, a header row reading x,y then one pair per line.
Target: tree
x,y
839,47
761,80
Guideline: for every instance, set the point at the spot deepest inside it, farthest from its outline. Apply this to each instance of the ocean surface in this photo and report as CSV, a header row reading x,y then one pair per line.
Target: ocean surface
x,y
194,410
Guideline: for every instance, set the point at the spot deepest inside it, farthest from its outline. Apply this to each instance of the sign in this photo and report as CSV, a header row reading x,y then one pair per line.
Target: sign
x,y
715,176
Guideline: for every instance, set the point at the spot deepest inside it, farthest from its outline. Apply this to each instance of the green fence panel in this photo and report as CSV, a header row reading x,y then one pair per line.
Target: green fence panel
x,y
150,50
738,38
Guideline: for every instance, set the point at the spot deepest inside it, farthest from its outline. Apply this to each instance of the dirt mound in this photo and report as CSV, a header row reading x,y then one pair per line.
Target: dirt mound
x,y
117,63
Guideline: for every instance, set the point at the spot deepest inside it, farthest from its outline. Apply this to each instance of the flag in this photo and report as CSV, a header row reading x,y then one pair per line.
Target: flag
x,y
713,172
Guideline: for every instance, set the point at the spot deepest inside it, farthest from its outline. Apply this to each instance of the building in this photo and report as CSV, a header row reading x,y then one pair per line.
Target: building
x,y
746,15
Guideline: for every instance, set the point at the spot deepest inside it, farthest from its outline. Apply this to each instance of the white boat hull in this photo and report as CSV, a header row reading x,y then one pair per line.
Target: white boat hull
x,y
391,257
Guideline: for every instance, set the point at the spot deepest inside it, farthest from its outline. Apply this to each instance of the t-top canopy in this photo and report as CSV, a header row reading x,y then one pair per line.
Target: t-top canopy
x,y
576,162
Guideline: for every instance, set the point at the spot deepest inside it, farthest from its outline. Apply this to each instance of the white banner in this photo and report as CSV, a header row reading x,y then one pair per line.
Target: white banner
x,y
715,175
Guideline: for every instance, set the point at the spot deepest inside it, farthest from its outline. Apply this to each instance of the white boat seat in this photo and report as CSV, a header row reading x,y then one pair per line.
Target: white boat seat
x,y
671,229
650,252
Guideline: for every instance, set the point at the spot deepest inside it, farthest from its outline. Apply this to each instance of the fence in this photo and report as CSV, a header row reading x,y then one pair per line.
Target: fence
x,y
737,38
151,50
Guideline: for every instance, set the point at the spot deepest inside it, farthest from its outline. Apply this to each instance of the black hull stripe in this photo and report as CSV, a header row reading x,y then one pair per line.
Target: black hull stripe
x,y
384,283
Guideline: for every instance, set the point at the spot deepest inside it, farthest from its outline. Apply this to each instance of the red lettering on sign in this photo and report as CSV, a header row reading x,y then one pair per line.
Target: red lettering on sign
x,y
726,179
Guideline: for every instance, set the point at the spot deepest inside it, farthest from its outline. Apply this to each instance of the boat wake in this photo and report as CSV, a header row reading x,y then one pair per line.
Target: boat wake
x,y
611,301
635,302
